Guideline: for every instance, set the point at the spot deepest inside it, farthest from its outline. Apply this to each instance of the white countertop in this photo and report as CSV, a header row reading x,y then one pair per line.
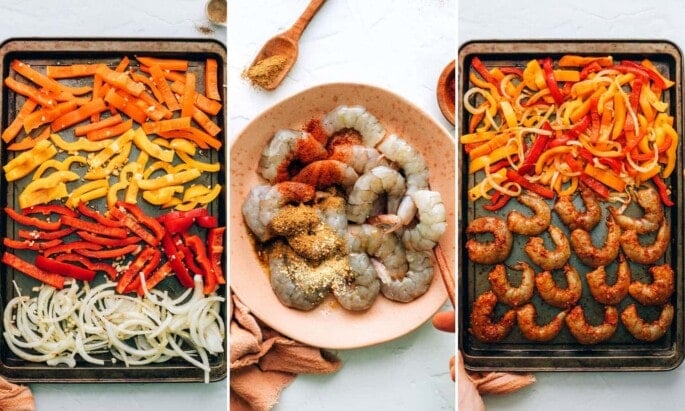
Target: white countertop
x,y
126,18
578,19
401,45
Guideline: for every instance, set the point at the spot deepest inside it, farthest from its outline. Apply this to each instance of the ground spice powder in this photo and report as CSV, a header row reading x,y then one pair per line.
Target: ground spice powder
x,y
266,70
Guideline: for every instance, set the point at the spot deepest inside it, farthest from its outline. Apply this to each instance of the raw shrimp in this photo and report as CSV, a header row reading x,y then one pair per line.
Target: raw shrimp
x,y
549,259
482,325
432,222
492,252
521,224
361,158
386,248
609,294
659,291
646,254
415,170
653,215
264,202
573,218
291,282
591,255
331,209
560,297
505,292
647,331
325,173
369,187
525,317
361,290
285,147
585,333
415,282
357,118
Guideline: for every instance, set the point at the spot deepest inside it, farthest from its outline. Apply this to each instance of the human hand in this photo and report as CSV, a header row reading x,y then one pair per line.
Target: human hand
x,y
444,321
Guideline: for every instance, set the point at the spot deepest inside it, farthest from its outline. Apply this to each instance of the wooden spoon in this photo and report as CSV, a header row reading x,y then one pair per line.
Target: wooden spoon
x,y
286,45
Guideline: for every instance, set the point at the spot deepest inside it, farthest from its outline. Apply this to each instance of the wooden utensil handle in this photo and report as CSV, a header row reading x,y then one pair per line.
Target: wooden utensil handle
x,y
296,30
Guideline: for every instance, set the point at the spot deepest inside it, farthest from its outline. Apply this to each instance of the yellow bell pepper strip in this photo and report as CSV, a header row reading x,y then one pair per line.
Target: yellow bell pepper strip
x,y
584,108
184,146
58,165
671,153
180,177
204,198
619,115
209,167
156,166
81,144
571,60
26,162
494,156
112,197
110,148
186,206
87,192
172,203
533,77
544,157
606,177
162,195
143,143
46,189
113,165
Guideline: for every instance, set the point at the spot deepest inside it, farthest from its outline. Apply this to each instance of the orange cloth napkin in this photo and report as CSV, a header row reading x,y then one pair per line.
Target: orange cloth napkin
x,y
15,397
473,384
264,362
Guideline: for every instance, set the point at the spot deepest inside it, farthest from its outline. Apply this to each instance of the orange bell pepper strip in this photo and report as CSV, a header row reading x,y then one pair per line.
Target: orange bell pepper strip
x,y
201,101
111,131
186,135
71,71
205,122
157,127
119,101
571,60
119,80
47,115
188,96
28,143
164,64
160,81
649,65
30,92
606,177
584,108
78,115
211,79
108,122
15,126
49,84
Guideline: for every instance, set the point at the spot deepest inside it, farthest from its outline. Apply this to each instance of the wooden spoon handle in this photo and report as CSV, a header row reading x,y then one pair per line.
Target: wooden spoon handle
x,y
446,273
296,30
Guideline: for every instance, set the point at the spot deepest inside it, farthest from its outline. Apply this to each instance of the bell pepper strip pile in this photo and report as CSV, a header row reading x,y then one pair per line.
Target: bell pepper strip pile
x,y
176,243
587,120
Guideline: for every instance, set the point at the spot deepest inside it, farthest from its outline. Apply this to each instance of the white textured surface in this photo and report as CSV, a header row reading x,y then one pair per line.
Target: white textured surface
x,y
400,45
578,19
125,18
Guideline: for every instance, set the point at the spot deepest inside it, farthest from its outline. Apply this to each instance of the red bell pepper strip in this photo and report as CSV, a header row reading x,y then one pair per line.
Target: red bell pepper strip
x,y
64,269
215,248
31,270
189,260
134,218
44,235
536,149
478,65
589,68
512,70
178,225
551,81
135,285
130,222
99,218
499,200
107,241
47,209
579,127
210,221
71,247
108,253
30,244
641,71
595,185
175,258
144,219
534,187
35,222
664,192
83,225
91,265
614,164
162,272
197,246
573,164
634,100
585,154
172,215
143,263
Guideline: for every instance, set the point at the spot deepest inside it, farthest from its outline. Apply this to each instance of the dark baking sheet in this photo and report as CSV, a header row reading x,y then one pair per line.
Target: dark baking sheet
x,y
622,351
39,53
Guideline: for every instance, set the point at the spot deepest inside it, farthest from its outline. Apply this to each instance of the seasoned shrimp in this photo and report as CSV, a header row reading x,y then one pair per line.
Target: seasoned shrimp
x,y
332,211
660,289
521,224
285,147
386,248
558,297
492,252
357,118
369,187
591,255
647,331
415,282
525,317
264,202
646,254
505,292
432,222
585,333
648,199
293,279
325,173
610,294
358,293
482,325
549,259
573,218
415,170
361,158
